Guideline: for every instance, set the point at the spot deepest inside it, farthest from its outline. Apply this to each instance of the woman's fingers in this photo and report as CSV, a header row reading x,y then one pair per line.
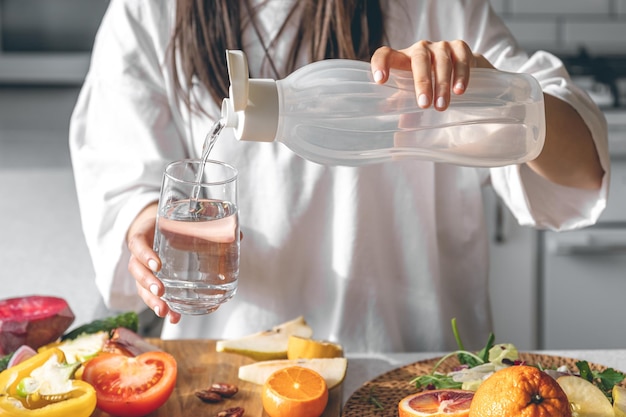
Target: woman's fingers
x,y
463,59
144,262
144,276
157,305
153,301
439,69
424,73
442,62
140,237
150,288
142,265
140,247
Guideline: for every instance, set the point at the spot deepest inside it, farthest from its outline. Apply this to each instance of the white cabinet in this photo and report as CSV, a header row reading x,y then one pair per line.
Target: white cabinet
x,y
583,279
583,289
513,280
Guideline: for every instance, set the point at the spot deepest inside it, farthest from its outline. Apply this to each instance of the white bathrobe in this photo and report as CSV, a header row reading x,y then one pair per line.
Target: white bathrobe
x,y
378,258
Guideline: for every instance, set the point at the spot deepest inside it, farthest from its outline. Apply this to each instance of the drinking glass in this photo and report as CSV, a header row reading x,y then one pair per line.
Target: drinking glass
x,y
197,235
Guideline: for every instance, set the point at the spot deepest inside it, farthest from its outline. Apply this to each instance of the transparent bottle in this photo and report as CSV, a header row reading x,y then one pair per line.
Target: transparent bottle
x,y
332,112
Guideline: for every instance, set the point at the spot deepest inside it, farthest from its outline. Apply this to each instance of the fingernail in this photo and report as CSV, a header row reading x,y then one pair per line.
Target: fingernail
x,y
154,289
422,100
459,87
441,103
153,265
157,311
378,75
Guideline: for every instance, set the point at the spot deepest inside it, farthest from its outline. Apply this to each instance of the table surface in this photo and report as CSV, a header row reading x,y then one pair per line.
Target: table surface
x,y
365,367
199,365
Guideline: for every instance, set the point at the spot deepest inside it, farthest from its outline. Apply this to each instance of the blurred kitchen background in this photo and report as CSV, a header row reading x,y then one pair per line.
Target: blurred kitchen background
x,y
549,290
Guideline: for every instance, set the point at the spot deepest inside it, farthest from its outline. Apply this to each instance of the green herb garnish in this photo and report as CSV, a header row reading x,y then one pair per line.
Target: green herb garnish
x,y
442,381
373,400
4,361
472,360
604,380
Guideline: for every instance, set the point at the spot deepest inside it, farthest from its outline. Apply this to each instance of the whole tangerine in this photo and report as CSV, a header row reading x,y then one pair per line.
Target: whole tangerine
x,y
520,391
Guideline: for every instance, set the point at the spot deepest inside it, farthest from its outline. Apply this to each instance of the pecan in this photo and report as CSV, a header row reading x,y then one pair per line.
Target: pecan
x,y
231,412
208,396
223,389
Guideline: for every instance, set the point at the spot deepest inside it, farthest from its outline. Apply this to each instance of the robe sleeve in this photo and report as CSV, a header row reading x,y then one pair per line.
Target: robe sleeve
x,y
533,200
122,134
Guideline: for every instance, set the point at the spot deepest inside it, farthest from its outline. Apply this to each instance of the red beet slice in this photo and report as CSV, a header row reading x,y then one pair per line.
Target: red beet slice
x,y
33,321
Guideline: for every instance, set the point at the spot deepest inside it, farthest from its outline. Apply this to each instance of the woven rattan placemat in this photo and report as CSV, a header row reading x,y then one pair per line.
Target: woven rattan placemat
x,y
389,388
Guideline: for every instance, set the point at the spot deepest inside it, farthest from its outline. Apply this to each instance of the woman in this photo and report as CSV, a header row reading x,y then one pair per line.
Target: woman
x,y
379,258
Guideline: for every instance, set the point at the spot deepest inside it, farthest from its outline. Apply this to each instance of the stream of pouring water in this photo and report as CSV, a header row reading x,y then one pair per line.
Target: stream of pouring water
x,y
209,142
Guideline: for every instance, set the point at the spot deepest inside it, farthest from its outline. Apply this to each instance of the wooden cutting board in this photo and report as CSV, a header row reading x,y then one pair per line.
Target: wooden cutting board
x,y
199,365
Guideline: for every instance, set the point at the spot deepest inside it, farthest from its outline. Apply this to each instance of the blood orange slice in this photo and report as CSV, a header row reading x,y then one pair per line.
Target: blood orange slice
x,y
436,403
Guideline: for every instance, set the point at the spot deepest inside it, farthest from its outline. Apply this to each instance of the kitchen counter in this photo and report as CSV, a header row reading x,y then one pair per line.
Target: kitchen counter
x,y
199,364
365,367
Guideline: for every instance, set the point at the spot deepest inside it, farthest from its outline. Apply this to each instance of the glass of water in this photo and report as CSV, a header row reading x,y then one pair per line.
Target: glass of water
x,y
197,235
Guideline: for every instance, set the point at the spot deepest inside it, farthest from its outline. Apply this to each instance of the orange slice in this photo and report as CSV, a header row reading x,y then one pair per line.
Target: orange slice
x,y
295,391
436,403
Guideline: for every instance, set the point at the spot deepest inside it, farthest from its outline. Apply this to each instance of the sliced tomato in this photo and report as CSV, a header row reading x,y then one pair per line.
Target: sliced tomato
x,y
131,386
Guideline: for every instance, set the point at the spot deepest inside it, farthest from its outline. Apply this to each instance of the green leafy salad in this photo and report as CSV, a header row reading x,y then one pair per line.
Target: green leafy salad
x,y
475,367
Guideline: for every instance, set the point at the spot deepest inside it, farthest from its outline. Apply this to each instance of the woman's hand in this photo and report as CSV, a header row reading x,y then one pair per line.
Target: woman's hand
x,y
439,68
568,157
144,262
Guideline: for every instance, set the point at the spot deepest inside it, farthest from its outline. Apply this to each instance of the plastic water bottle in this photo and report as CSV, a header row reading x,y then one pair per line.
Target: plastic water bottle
x,y
332,112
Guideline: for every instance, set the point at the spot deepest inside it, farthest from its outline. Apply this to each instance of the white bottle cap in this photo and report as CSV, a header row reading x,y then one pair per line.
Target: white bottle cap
x,y
252,108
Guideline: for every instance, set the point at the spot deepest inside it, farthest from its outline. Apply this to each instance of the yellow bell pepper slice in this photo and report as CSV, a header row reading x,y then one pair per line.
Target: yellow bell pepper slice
x,y
81,401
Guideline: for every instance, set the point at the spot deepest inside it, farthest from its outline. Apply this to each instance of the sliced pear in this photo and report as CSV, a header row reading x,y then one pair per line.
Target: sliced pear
x,y
586,400
269,344
333,370
300,347
619,401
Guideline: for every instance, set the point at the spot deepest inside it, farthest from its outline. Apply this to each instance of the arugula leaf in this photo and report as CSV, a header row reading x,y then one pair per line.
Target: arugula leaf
x,y
605,380
484,353
609,377
457,337
4,361
373,400
466,359
585,370
438,381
